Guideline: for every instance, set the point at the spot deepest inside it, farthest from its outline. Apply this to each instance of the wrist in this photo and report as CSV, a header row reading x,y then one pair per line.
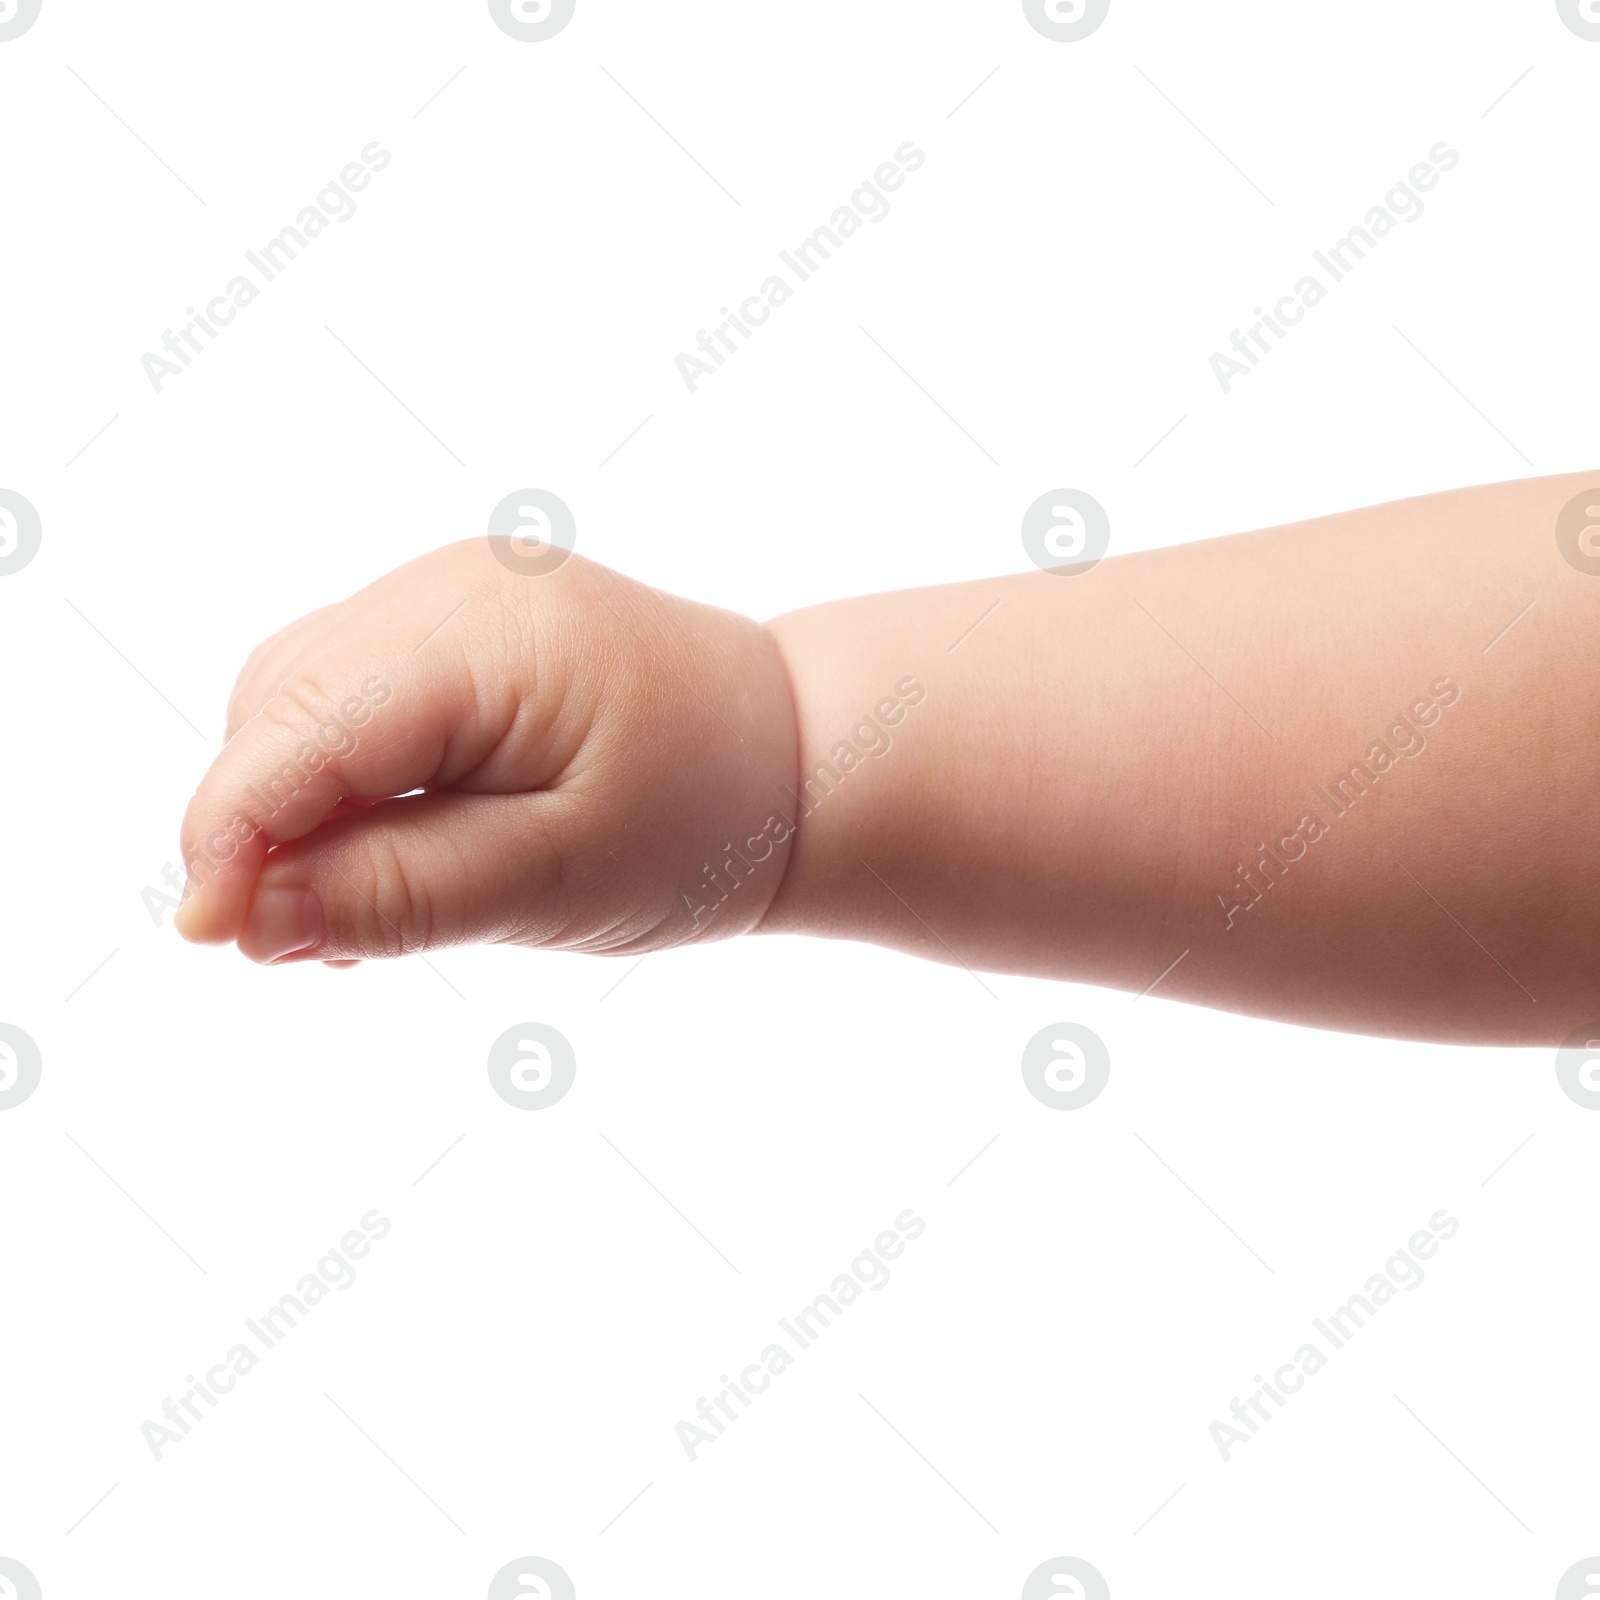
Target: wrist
x,y
855,716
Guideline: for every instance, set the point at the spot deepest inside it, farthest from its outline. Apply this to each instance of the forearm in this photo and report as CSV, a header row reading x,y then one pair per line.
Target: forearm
x,y
1093,762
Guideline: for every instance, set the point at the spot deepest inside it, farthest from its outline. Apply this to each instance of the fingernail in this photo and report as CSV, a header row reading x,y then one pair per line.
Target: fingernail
x,y
188,920
282,922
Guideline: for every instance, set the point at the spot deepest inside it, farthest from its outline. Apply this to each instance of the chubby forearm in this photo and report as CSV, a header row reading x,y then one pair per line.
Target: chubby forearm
x,y
1342,773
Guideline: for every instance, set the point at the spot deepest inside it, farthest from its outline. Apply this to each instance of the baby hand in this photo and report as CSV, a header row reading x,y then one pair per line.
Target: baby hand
x,y
589,752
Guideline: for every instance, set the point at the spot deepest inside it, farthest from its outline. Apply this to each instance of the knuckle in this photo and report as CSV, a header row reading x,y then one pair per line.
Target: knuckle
x,y
298,703
394,911
258,657
252,687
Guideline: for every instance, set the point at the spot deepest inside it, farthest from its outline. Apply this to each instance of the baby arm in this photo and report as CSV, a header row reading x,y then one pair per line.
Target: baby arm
x,y
1342,772
1339,773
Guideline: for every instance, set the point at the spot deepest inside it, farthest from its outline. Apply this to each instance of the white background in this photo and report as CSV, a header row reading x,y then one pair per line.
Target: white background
x,y
1095,1288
